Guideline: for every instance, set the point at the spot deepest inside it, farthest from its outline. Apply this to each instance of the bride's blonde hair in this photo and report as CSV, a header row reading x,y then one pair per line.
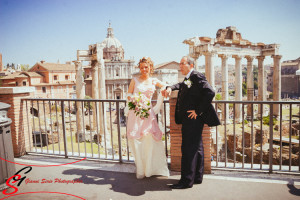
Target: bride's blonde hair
x,y
148,61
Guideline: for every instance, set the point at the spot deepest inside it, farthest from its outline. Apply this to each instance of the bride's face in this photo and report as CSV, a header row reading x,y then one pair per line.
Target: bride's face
x,y
145,68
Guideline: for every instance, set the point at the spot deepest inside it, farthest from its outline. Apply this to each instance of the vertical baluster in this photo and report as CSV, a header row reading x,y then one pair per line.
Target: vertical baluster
x,y
271,139
70,121
28,125
111,132
64,127
91,139
46,134
243,137
57,126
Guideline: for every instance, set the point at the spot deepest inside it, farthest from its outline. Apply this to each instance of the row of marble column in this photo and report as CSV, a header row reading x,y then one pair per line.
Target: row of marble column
x,y
98,92
210,75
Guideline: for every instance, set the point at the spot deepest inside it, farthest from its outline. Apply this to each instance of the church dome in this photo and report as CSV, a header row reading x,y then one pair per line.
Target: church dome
x,y
112,46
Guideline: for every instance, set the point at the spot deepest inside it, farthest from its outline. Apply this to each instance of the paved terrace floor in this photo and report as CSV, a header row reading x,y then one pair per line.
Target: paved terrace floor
x,y
114,181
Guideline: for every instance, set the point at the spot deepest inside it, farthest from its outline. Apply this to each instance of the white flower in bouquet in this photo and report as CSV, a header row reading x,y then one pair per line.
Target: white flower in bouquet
x,y
140,104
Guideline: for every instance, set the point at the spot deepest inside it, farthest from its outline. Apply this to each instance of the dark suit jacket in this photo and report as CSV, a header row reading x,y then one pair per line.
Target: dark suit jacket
x,y
198,97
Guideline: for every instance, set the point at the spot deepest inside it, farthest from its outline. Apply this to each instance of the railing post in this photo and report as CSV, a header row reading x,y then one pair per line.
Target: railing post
x,y
271,139
64,127
119,131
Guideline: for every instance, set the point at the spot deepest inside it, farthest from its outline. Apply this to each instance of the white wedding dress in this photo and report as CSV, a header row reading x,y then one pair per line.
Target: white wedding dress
x,y
145,138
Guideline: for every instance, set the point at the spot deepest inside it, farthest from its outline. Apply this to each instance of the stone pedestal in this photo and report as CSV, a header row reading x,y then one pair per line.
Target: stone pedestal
x,y
21,136
176,140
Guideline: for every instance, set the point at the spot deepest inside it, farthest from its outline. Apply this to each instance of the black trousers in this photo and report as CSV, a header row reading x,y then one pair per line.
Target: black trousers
x,y
192,160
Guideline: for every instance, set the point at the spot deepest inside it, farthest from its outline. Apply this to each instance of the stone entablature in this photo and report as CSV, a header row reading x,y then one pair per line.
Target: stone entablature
x,y
230,42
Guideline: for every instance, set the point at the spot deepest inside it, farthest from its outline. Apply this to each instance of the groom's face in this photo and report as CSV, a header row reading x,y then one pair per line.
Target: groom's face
x,y
184,66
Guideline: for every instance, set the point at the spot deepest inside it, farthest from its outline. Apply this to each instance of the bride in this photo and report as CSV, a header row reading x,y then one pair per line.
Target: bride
x,y
144,135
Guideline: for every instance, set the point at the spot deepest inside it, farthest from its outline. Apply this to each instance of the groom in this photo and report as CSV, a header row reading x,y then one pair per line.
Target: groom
x,y
193,110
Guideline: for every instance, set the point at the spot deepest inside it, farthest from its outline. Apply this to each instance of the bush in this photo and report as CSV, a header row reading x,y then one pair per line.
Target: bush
x,y
86,104
246,121
53,108
218,97
266,120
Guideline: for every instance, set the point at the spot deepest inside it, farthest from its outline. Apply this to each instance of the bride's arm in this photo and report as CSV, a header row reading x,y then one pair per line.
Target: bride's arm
x,y
130,92
160,98
160,84
131,88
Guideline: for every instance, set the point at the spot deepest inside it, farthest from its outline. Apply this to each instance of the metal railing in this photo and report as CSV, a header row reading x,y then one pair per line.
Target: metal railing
x,y
53,128
265,136
255,140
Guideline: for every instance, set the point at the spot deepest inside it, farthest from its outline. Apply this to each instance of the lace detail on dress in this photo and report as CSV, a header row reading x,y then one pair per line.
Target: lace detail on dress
x,y
146,89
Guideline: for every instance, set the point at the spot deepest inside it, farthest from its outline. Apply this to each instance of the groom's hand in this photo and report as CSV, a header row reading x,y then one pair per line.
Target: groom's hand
x,y
192,114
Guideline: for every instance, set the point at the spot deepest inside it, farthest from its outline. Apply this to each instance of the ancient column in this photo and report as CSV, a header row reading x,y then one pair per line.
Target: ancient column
x,y
250,84
102,95
225,86
195,57
261,84
210,68
80,93
276,82
95,90
238,88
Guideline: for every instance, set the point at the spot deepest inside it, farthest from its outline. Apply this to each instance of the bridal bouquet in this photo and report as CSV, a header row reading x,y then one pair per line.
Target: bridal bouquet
x,y
140,104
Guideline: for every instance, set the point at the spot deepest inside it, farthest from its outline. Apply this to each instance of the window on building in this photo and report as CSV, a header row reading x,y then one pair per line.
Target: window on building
x,y
44,89
74,87
66,77
17,83
87,76
55,77
24,83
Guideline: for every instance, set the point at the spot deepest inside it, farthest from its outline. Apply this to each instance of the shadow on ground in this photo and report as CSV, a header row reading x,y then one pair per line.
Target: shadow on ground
x,y
293,190
122,182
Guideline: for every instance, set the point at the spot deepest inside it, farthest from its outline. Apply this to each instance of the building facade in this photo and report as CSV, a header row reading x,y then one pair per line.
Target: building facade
x,y
118,70
51,80
289,79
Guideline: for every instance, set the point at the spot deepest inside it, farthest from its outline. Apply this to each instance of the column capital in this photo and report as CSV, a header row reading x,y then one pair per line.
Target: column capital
x,y
76,62
276,56
249,58
260,57
237,57
223,56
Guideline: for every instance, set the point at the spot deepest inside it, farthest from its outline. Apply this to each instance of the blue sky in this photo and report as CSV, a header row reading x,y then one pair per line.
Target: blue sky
x,y
51,30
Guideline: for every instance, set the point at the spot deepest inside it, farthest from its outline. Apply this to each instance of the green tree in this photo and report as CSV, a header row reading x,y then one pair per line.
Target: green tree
x,y
86,104
271,95
218,97
266,120
24,67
